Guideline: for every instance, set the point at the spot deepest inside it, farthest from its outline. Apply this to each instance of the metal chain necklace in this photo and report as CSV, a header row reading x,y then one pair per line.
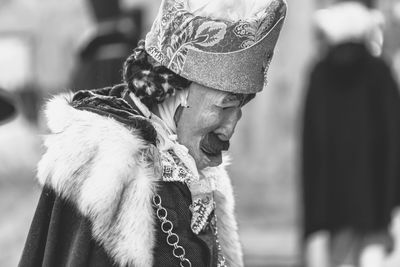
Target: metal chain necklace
x,y
221,258
172,238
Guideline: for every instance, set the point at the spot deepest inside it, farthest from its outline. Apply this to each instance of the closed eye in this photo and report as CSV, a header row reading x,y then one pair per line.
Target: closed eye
x,y
230,104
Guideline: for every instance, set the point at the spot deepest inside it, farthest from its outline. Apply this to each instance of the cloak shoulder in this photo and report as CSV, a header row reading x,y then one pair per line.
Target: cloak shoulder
x,y
98,164
95,162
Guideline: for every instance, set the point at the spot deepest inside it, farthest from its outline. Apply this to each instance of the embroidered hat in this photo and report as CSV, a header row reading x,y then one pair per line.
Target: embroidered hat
x,y
228,55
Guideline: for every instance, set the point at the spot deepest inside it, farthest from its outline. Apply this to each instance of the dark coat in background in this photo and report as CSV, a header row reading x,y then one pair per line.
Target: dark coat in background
x,y
351,140
101,57
100,60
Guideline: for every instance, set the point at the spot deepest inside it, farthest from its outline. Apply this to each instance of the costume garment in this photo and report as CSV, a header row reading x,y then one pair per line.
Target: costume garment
x,y
351,145
99,180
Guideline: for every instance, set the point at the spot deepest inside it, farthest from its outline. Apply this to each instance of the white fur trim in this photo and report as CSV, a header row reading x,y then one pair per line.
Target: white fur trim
x,y
95,162
225,205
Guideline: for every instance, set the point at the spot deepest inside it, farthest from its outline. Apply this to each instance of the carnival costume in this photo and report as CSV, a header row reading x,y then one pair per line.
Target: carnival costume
x,y
119,190
351,147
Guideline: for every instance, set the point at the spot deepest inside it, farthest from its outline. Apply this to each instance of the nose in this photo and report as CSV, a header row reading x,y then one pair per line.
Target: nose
x,y
227,128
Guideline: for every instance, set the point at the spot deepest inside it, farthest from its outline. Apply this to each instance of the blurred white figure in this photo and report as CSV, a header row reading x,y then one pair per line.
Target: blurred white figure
x,y
366,25
396,59
317,250
396,11
393,260
372,256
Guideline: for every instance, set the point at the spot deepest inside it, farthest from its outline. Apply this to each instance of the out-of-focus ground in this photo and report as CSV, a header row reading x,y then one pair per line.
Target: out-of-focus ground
x,y
19,151
17,206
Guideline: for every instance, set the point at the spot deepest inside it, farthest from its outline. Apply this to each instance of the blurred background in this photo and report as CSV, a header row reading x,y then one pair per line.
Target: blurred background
x,y
48,47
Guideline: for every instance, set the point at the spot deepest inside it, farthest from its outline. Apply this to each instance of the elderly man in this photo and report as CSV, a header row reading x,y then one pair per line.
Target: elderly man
x,y
133,174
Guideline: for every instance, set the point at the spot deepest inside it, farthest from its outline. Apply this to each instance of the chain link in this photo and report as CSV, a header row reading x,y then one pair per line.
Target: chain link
x,y
221,258
172,238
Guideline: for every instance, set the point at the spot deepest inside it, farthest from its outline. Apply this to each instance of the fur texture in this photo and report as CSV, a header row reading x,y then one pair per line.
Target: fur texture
x,y
227,225
96,163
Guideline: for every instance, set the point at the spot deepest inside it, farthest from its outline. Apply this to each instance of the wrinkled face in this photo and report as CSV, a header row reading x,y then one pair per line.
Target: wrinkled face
x,y
206,126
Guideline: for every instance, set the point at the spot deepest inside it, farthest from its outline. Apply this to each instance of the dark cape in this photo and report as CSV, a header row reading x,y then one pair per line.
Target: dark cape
x,y
351,143
96,204
61,236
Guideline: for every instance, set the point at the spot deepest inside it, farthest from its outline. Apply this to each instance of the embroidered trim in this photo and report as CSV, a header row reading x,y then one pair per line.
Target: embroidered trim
x,y
201,209
174,170
176,30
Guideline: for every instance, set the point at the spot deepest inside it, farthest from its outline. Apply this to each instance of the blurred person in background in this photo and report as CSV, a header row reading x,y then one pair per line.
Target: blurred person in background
x,y
396,57
134,174
351,141
31,99
7,106
103,51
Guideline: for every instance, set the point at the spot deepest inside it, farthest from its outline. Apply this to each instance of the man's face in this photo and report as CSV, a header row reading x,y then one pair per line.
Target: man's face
x,y
208,123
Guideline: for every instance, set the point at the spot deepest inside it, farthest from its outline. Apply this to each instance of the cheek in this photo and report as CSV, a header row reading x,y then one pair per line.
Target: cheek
x,y
208,121
195,123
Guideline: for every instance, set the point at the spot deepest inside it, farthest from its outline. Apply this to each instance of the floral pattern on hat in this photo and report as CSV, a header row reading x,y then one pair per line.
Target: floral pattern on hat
x,y
177,30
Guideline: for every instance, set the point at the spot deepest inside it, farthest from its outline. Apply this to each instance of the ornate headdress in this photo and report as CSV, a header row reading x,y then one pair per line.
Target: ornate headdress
x,y
232,56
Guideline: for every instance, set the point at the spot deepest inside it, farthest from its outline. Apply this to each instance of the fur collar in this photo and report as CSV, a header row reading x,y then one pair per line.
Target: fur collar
x,y
95,162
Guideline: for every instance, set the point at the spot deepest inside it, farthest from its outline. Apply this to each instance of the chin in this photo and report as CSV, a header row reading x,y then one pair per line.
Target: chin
x,y
207,160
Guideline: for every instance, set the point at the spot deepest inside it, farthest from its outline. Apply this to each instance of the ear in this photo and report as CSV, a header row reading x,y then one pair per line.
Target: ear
x,y
178,114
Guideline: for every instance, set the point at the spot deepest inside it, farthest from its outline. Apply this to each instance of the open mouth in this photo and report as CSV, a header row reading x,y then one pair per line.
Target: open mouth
x,y
212,146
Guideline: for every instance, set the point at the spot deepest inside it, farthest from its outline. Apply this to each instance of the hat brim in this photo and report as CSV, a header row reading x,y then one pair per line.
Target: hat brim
x,y
239,72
